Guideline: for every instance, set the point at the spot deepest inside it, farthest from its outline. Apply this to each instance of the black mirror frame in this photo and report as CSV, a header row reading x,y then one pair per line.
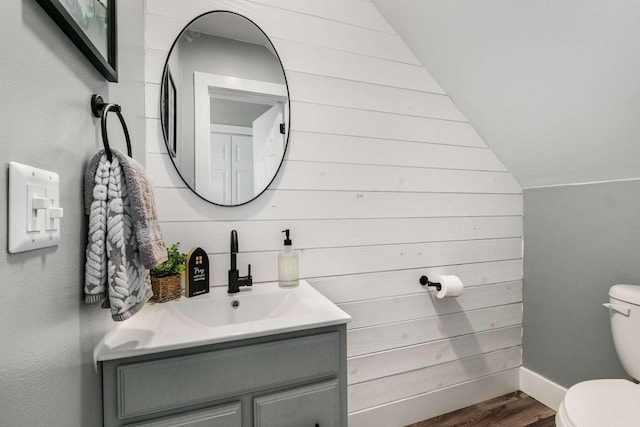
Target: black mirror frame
x,y
163,86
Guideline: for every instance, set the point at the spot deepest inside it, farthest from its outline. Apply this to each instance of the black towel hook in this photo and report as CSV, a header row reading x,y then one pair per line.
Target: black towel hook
x,y
99,108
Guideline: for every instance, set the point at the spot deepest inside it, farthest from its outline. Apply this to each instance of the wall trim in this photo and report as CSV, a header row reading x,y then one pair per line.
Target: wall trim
x,y
542,389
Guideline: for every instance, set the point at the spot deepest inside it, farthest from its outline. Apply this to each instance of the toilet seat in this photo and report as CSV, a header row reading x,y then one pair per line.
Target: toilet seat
x,y
597,403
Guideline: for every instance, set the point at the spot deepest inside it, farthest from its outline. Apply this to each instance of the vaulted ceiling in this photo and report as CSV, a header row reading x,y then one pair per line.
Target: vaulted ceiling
x,y
553,86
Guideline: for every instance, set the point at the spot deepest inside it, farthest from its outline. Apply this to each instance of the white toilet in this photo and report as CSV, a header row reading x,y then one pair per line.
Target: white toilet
x,y
611,403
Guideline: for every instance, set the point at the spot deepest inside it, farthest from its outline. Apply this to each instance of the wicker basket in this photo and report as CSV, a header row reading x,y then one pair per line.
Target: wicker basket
x,y
166,288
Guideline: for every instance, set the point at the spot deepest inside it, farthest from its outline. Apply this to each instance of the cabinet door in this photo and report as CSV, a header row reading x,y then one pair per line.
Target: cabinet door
x,y
311,406
220,416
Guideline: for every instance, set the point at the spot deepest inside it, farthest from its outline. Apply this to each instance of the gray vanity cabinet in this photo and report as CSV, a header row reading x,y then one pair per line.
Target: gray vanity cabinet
x,y
295,379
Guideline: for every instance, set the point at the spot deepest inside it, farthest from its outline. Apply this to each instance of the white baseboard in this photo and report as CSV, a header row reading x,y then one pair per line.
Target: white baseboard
x,y
542,389
429,405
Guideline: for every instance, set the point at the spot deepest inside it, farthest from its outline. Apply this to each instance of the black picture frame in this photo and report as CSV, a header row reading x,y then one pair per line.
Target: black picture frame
x,y
107,65
169,111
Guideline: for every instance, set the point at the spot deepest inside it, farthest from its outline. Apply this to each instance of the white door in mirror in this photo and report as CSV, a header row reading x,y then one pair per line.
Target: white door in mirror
x,y
34,208
268,146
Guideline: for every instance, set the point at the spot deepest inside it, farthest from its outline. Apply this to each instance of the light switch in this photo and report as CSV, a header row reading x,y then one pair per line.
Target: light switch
x,y
39,203
35,202
34,208
53,213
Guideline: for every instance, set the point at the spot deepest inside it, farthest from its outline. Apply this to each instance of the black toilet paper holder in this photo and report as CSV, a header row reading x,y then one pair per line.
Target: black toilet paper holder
x,y
424,281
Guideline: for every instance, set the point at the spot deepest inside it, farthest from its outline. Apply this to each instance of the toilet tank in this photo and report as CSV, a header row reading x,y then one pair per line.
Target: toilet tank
x,y
624,312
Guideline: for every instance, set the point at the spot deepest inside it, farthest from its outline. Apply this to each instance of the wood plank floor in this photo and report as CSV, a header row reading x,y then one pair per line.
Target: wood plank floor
x,y
511,410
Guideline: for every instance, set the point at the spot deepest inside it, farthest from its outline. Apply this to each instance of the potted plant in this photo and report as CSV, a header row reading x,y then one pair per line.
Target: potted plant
x,y
166,277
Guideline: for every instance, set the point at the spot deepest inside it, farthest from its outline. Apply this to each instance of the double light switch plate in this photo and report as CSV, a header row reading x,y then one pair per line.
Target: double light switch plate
x,y
34,208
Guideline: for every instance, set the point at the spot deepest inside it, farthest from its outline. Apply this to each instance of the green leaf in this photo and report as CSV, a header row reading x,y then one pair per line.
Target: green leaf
x,y
175,263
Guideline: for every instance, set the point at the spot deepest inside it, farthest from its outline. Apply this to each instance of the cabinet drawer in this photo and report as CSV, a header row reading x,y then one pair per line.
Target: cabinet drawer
x,y
147,387
220,416
316,405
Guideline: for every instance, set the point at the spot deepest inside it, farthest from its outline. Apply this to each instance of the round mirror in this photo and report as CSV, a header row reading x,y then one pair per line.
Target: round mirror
x,y
224,108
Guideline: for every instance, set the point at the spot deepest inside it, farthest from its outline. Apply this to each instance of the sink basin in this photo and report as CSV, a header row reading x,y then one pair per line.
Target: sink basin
x,y
264,309
221,310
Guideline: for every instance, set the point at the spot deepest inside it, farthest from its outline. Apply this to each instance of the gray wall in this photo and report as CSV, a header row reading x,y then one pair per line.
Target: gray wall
x,y
579,240
47,334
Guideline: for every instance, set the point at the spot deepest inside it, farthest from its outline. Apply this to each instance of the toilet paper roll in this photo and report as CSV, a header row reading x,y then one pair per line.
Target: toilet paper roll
x,y
451,286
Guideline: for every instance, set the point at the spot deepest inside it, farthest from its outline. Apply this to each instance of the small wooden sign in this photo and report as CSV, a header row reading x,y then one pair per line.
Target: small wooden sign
x,y
197,282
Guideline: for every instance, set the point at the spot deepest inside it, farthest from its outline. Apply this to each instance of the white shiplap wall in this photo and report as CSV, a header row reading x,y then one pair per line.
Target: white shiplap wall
x,y
384,180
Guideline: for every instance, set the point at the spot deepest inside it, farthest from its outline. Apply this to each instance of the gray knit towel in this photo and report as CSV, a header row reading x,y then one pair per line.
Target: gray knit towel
x,y
96,184
122,277
150,242
145,219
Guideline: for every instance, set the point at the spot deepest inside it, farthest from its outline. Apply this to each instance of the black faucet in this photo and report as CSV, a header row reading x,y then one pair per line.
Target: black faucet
x,y
235,280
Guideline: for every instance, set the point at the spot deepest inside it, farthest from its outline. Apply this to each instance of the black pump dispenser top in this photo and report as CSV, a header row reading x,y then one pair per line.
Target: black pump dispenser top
x,y
287,240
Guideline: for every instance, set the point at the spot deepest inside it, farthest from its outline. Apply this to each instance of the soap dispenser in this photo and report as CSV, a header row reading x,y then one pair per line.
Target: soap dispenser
x,y
288,265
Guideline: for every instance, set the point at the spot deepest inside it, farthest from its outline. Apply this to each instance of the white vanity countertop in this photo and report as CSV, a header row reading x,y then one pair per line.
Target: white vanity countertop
x,y
264,309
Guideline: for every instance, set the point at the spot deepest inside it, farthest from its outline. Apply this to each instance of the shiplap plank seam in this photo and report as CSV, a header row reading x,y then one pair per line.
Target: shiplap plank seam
x,y
314,176
312,234
515,323
334,10
431,316
374,312
332,261
348,121
323,119
382,178
428,405
161,29
401,334
306,249
360,287
155,59
418,356
275,204
320,61
407,384
346,106
334,91
311,146
352,66
512,317
161,161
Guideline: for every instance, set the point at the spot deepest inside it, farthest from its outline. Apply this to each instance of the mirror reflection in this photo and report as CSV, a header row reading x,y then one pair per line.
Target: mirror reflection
x,y
225,108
